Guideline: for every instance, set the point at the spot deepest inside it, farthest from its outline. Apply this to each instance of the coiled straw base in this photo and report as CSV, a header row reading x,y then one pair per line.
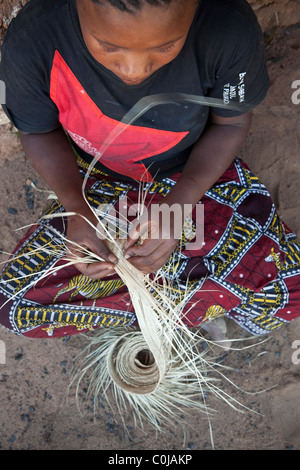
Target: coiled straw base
x,y
131,365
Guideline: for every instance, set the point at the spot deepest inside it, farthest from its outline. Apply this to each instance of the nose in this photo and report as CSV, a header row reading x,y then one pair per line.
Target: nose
x,y
135,68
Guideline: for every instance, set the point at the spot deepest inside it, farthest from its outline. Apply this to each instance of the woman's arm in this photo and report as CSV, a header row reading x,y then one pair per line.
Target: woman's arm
x,y
210,157
52,157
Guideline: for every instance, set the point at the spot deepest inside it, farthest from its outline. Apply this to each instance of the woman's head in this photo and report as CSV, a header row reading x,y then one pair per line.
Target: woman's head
x,y
134,38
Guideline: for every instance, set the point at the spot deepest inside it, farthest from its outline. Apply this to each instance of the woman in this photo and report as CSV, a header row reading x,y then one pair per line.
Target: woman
x,y
73,70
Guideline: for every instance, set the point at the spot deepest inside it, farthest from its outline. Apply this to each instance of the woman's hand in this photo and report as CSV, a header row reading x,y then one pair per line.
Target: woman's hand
x,y
153,237
81,234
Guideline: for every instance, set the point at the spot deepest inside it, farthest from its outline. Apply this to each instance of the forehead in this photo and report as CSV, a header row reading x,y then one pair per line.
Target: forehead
x,y
151,25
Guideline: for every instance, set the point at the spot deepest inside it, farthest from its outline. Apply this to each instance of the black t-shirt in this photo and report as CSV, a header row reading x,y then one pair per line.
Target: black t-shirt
x,y
52,78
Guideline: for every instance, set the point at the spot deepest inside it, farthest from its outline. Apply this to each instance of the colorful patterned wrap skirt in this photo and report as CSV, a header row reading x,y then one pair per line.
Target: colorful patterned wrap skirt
x,y
247,267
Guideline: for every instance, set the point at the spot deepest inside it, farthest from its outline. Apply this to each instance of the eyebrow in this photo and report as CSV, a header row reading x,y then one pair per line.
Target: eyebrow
x,y
106,43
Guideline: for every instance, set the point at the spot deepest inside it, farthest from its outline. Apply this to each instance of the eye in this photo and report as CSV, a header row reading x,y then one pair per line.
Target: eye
x,y
166,49
108,49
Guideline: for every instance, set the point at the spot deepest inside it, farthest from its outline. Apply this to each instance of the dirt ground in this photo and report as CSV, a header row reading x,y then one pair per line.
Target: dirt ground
x,y
33,411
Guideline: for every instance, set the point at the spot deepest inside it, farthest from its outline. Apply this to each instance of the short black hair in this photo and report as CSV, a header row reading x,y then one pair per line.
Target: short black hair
x,y
129,5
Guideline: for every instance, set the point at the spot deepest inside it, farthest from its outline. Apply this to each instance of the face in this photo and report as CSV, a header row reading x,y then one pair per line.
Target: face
x,y
134,45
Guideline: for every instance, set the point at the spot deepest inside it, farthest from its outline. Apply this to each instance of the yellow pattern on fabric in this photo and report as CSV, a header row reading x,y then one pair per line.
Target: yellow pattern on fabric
x,y
252,180
90,289
267,321
213,312
52,208
233,192
266,303
276,229
28,260
226,252
293,256
26,317
276,258
85,166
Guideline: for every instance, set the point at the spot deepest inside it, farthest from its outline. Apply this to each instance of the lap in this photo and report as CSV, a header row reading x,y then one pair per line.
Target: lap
x,y
247,267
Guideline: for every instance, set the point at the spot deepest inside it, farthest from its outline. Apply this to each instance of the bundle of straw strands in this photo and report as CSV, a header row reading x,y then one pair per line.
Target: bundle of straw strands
x,y
158,368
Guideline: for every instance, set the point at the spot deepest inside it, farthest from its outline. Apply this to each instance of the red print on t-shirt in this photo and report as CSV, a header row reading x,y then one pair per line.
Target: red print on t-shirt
x,y
118,145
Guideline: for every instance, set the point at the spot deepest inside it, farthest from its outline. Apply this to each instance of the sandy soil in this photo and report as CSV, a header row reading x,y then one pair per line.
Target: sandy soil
x,y
34,378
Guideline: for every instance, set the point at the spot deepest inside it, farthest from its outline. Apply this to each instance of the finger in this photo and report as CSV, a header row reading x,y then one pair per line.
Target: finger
x,y
95,270
101,251
138,230
139,263
147,265
153,261
144,249
156,248
101,274
129,243
105,253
